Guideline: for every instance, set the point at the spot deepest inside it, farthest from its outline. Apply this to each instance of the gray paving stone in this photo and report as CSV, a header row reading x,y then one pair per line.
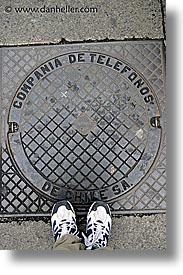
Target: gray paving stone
x,y
113,20
128,233
139,233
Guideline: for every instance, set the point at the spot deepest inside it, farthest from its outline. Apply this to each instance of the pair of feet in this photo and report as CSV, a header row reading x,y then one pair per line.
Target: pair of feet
x,y
98,225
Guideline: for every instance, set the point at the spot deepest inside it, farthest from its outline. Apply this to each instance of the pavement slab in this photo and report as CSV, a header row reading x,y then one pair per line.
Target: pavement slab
x,y
114,20
147,232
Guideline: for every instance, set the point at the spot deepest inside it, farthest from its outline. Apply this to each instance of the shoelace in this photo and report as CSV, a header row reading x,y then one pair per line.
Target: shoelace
x,y
65,227
93,239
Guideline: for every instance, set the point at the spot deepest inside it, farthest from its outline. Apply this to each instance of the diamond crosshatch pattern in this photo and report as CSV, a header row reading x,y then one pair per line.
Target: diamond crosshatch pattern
x,y
84,128
53,146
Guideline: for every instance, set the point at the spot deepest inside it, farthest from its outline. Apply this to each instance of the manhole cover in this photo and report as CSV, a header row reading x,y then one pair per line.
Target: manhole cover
x,y
85,123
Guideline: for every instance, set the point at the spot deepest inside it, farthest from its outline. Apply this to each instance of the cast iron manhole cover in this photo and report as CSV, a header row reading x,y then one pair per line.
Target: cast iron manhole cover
x,y
83,122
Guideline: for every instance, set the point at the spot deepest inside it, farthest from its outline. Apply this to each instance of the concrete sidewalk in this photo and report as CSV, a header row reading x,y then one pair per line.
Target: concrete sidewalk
x,y
114,20
127,233
117,20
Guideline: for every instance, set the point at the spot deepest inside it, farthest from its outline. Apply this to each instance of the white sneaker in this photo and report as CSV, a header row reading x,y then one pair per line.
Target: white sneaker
x,y
63,219
98,225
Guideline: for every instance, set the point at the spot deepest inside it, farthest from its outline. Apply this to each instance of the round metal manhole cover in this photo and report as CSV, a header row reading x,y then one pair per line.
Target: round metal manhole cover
x,y
84,126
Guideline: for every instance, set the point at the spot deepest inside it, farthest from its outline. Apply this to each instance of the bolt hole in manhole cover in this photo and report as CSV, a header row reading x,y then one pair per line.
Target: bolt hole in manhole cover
x,y
83,122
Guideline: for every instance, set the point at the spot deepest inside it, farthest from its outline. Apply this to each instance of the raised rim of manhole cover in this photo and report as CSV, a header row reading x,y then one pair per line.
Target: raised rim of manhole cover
x,y
83,122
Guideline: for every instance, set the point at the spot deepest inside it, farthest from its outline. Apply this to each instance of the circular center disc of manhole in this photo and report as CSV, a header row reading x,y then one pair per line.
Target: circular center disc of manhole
x,y
84,126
